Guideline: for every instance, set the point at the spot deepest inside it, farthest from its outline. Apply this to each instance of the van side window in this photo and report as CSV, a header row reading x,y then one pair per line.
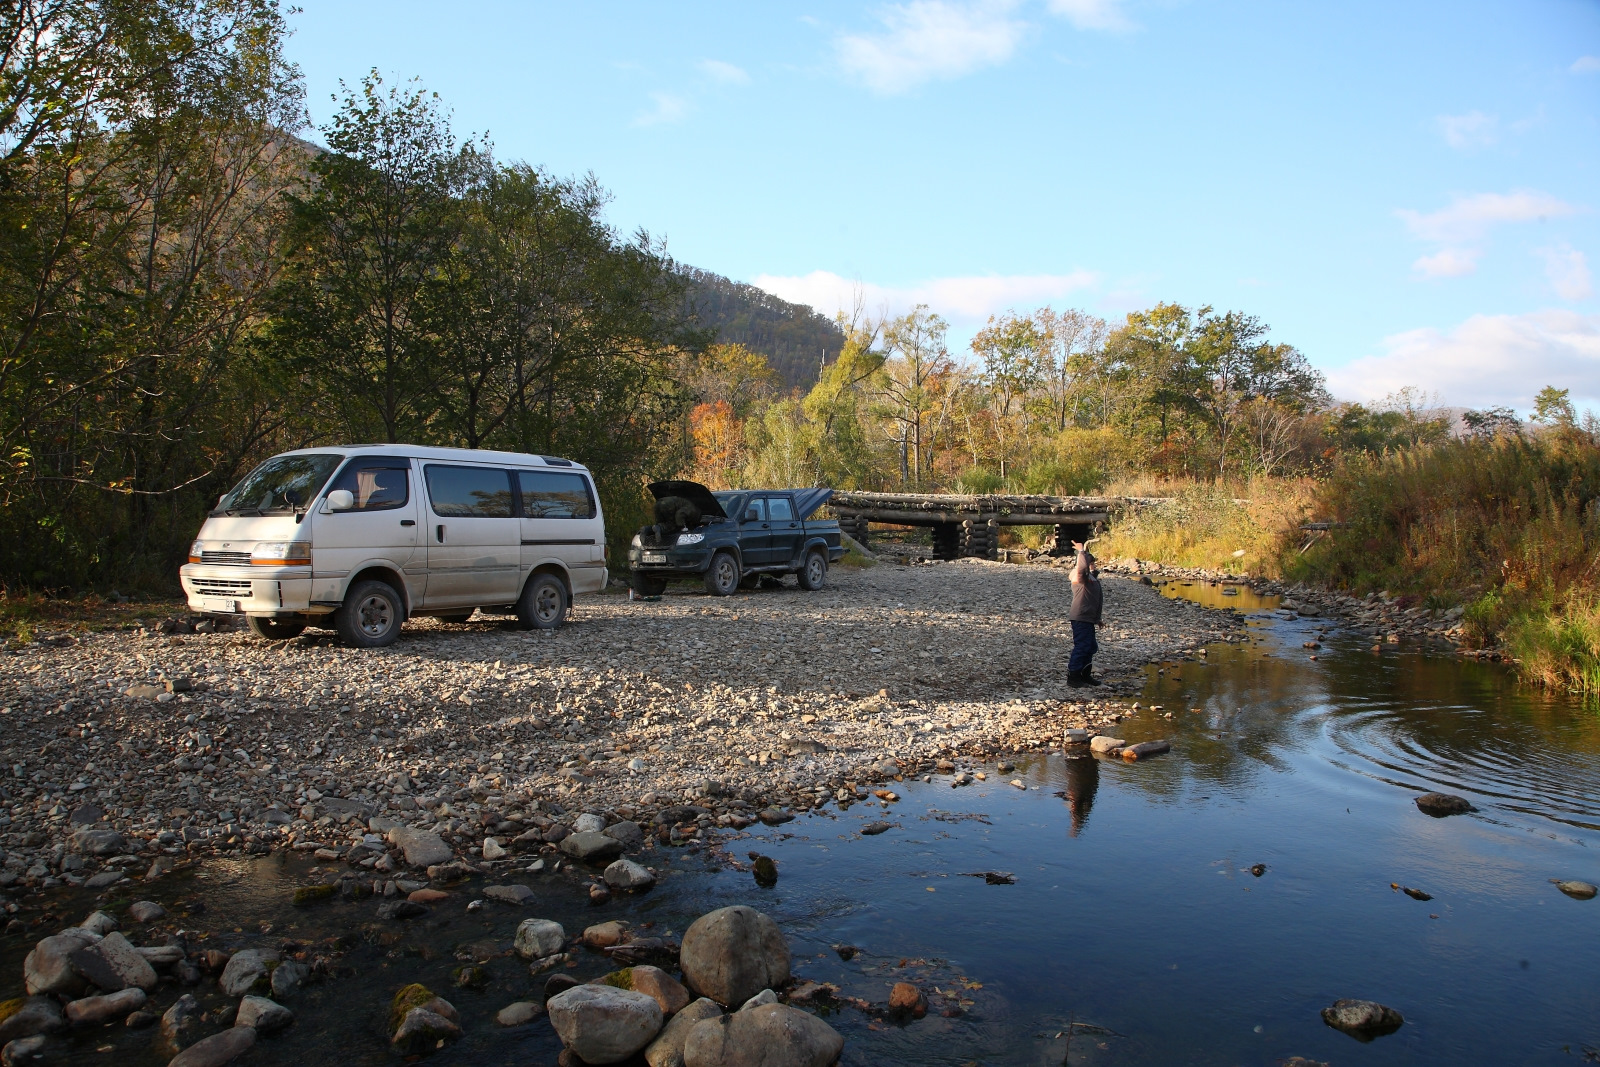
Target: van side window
x,y
377,484
469,492
548,495
779,509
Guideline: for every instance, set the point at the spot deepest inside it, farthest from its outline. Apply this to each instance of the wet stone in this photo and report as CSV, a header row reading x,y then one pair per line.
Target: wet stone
x,y
1440,805
216,1050
1362,1019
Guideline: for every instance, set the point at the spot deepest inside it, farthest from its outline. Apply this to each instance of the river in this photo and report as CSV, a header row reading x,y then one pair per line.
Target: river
x,y
1135,931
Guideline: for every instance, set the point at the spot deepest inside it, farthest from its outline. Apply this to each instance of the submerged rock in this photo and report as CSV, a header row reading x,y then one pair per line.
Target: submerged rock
x,y
1439,805
1362,1019
28,1016
538,938
518,1014
217,1049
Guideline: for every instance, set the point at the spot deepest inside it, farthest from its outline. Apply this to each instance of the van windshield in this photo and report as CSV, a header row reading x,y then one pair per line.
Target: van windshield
x,y
282,483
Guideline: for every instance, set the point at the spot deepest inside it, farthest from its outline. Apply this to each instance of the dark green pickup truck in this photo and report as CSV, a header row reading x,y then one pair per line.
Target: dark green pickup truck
x,y
731,538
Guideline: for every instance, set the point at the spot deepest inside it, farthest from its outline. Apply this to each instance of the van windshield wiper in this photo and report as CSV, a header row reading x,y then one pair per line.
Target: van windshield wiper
x,y
241,511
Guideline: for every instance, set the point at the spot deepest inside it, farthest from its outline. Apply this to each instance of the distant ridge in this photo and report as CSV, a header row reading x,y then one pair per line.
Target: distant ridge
x,y
794,338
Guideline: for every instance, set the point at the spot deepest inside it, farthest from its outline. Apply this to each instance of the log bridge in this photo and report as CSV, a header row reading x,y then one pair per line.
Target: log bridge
x,y
970,525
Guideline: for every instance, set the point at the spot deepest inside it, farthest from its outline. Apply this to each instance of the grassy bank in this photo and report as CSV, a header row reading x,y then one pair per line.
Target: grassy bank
x,y
1507,527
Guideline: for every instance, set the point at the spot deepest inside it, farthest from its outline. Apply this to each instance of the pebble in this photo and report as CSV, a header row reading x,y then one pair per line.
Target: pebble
x,y
515,893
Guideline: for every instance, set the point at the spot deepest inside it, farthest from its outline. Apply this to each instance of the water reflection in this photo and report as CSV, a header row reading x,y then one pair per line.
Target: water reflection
x,y
1083,778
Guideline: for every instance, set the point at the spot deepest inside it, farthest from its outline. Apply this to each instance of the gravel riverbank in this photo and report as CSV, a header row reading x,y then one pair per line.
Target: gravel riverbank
x,y
126,751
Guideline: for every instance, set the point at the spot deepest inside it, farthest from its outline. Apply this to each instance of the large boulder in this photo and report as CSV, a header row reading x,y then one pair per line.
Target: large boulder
x,y
112,963
216,1050
538,938
591,847
263,1014
245,968
99,841
667,1050
626,874
732,954
603,1024
91,1011
423,848
48,970
27,1017
773,1035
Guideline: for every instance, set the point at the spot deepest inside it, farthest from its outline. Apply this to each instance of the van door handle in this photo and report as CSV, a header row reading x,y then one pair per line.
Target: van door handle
x,y
408,522
766,526
438,531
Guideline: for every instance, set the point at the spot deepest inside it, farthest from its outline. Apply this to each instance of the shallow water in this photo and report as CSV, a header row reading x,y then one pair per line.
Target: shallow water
x,y
1135,932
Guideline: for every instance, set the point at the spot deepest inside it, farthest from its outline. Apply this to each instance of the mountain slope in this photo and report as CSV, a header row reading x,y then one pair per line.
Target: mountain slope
x,y
794,338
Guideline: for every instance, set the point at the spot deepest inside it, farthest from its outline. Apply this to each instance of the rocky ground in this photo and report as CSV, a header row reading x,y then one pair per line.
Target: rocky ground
x,y
126,751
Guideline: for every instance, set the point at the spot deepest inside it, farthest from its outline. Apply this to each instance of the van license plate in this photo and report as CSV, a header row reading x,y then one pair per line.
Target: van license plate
x,y
655,557
226,607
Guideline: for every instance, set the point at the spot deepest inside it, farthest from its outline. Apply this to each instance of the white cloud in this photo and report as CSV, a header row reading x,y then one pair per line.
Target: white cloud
x,y
963,301
724,72
1568,271
666,109
928,39
1472,130
1487,360
1586,65
1447,263
1469,217
1092,14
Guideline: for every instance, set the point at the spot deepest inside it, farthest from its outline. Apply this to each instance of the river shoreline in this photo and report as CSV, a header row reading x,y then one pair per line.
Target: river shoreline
x,y
768,702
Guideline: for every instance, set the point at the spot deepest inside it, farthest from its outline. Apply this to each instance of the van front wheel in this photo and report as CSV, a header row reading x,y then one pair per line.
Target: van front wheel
x,y
543,605
370,616
274,630
722,577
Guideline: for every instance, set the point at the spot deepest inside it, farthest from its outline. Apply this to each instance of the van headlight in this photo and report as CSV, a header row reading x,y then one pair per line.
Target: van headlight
x,y
691,538
196,550
281,554
638,542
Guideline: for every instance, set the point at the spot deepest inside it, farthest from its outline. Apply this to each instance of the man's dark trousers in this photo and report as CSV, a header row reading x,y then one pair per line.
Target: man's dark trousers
x,y
1084,646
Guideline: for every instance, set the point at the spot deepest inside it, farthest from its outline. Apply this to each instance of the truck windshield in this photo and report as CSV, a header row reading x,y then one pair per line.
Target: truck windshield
x,y
282,483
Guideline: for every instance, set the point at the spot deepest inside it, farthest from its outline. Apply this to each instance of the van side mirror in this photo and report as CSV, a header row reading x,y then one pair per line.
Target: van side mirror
x,y
341,500
750,515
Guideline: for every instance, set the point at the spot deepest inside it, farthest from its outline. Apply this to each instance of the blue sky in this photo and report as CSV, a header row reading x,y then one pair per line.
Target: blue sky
x,y
1410,193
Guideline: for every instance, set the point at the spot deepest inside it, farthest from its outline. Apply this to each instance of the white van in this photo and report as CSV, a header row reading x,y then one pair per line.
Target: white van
x,y
363,536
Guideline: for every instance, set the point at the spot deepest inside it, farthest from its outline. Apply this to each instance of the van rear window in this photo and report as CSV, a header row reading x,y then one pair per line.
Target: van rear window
x,y
548,495
469,492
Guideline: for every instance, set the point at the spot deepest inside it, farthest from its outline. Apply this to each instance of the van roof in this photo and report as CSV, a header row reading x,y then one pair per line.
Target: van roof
x,y
477,455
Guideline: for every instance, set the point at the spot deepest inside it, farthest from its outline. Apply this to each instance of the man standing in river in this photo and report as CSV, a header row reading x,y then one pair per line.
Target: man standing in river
x,y
1084,616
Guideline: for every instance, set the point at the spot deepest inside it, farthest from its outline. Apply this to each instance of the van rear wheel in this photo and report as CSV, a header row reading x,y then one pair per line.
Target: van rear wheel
x,y
370,616
815,572
276,629
543,605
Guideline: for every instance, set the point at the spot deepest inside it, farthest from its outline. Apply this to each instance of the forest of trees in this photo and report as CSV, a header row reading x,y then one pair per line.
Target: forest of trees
x,y
1044,402
189,284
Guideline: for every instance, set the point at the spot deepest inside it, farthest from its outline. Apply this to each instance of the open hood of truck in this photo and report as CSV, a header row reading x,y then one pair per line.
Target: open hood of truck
x,y
807,501
693,492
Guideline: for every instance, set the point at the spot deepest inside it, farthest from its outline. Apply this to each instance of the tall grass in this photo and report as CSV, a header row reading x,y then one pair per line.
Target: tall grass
x,y
1235,527
1509,528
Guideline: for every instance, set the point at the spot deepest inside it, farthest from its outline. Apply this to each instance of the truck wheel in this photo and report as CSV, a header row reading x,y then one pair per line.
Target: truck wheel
x,y
543,605
646,585
275,630
815,572
370,616
722,577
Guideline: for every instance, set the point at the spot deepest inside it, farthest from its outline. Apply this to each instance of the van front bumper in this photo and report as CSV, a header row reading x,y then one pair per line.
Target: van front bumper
x,y
263,591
